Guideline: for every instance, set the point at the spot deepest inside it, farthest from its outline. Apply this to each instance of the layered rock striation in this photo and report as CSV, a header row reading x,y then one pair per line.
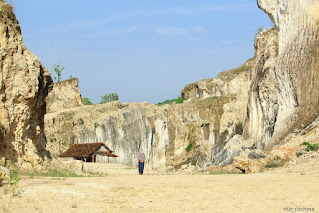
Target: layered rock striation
x,y
296,67
24,85
164,132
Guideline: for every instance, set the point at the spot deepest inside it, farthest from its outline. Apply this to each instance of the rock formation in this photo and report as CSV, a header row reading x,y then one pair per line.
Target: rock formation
x,y
64,95
296,67
224,120
263,94
25,84
164,132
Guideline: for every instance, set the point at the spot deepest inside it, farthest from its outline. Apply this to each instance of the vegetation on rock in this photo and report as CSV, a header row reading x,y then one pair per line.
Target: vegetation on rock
x,y
13,181
58,71
87,101
177,100
309,146
259,30
109,98
189,147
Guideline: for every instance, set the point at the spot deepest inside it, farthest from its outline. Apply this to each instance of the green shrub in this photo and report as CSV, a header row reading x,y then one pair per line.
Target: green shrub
x,y
58,70
309,146
87,101
13,181
258,31
109,98
178,100
189,147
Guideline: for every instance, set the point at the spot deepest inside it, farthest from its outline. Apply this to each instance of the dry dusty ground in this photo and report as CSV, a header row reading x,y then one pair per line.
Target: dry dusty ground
x,y
123,190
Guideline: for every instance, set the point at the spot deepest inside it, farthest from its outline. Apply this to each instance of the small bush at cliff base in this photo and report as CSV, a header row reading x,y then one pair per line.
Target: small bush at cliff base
x,y
309,146
275,164
13,181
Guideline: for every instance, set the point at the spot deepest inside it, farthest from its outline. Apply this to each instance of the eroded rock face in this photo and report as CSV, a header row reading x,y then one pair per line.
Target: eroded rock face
x,y
164,132
64,95
297,66
204,125
263,94
24,85
233,85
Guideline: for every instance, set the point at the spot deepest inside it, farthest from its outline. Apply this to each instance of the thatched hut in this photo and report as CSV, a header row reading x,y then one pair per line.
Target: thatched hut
x,y
89,152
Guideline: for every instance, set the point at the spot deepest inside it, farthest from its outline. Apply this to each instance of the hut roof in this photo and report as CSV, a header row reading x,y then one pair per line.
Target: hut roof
x,y
84,150
108,154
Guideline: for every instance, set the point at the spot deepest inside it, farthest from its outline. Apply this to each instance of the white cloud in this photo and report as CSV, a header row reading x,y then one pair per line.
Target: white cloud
x,y
199,29
171,31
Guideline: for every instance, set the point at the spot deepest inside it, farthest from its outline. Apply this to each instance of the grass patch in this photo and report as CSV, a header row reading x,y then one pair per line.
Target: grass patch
x,y
275,164
231,74
178,100
68,115
96,174
223,172
54,173
310,146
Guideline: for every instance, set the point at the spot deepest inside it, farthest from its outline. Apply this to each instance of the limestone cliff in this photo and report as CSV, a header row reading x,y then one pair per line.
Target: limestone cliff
x,y
262,107
24,84
251,107
164,132
296,67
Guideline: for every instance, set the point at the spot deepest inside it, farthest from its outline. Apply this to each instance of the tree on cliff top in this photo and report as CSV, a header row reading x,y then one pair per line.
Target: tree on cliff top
x,y
109,98
258,31
58,70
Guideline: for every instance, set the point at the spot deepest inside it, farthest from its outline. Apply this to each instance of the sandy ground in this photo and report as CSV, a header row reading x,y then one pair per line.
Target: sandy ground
x,y
123,190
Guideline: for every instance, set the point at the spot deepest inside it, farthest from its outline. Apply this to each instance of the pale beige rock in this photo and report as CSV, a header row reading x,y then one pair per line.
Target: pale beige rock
x,y
64,95
66,164
4,174
263,95
297,64
24,84
164,132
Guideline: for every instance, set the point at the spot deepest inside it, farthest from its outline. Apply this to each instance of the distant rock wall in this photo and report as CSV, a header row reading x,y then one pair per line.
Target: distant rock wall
x,y
164,132
24,85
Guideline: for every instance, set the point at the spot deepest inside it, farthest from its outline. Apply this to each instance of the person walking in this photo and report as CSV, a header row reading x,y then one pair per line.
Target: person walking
x,y
141,160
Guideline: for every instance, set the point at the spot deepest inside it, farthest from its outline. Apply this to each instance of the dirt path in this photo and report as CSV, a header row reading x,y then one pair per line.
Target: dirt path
x,y
122,190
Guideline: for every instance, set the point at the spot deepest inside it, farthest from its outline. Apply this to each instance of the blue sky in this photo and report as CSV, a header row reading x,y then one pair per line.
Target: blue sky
x,y
144,50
